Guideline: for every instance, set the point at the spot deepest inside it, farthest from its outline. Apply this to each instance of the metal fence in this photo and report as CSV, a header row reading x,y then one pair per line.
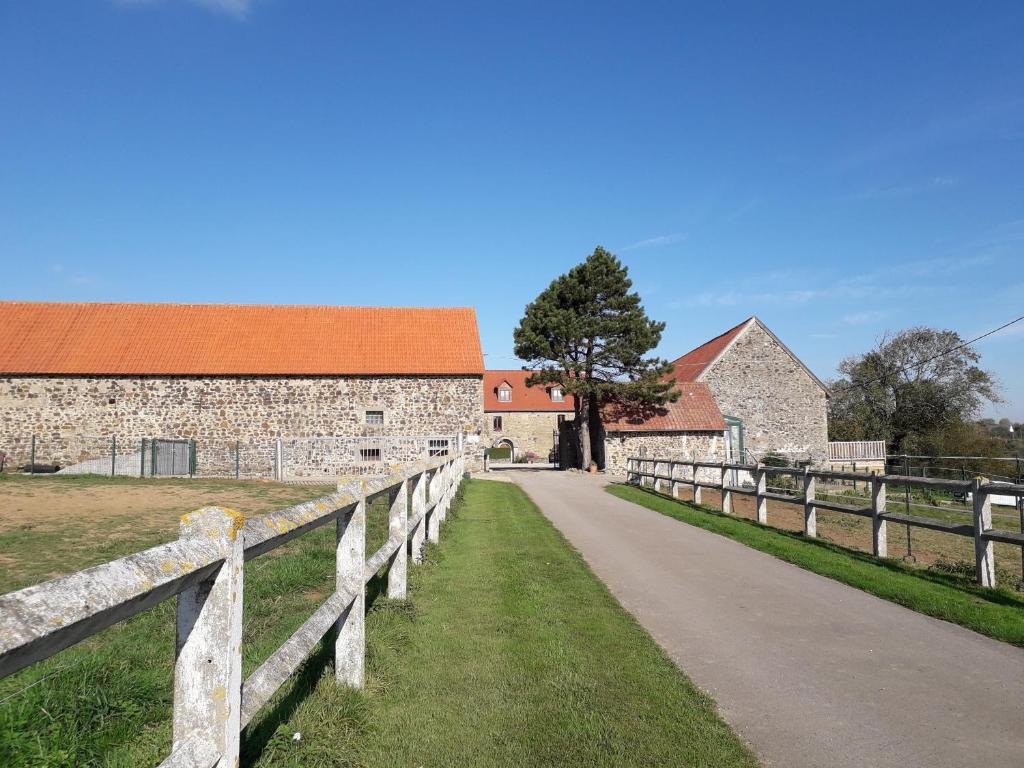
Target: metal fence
x,y
294,458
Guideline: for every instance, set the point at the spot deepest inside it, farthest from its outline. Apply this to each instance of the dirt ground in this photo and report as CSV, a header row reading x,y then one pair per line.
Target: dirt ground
x,y
50,526
927,547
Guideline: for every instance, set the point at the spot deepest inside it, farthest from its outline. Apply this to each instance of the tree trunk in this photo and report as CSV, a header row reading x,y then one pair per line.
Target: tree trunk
x,y
582,418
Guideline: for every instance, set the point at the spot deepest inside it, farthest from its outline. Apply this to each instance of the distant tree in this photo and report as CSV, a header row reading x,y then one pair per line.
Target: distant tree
x,y
910,388
588,333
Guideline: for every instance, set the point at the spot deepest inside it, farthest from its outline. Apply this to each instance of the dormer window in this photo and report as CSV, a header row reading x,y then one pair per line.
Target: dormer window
x,y
556,394
504,394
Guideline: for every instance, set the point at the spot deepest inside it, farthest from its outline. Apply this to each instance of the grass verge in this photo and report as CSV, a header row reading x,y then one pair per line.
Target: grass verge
x,y
509,651
997,613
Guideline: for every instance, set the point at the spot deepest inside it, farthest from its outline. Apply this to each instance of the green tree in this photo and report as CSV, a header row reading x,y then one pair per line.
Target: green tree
x,y
908,390
588,333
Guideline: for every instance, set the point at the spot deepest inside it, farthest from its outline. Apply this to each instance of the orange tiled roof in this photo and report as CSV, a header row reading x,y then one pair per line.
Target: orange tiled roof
x,y
235,339
690,366
524,398
694,411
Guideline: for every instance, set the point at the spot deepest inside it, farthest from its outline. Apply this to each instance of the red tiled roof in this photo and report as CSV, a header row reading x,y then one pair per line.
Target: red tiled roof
x,y
235,339
690,366
694,411
524,398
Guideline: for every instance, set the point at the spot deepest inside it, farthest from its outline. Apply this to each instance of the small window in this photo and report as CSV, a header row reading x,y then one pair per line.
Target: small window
x,y
369,454
504,395
375,417
497,423
438,447
556,394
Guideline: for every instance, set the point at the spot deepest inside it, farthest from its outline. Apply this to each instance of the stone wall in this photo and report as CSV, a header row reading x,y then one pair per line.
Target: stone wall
x,y
782,407
528,430
74,417
692,446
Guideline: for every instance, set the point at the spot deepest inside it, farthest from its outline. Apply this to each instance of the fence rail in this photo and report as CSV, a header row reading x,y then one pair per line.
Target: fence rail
x,y
981,492
205,569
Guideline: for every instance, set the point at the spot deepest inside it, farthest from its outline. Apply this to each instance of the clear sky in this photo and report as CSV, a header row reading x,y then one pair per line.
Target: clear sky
x,y
837,168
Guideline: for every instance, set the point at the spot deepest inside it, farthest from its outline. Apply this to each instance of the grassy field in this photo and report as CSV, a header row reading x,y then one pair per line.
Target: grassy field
x,y
509,651
998,613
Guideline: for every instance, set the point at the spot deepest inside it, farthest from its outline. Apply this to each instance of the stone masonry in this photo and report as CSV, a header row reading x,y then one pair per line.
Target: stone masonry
x,y
783,408
691,446
73,416
527,431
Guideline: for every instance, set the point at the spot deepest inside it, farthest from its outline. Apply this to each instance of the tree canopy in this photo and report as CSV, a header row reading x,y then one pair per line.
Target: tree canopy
x,y
589,333
916,390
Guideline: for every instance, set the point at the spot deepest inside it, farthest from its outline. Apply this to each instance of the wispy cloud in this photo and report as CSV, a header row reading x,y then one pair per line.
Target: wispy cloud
x,y
934,184
656,242
865,317
238,9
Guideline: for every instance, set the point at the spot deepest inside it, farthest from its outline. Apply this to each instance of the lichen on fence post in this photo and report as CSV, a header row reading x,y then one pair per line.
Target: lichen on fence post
x,y
398,531
350,642
726,497
879,538
984,549
434,515
419,504
694,470
761,488
208,666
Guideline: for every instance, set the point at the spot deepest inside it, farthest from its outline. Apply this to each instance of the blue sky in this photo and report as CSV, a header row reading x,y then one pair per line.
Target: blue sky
x,y
840,169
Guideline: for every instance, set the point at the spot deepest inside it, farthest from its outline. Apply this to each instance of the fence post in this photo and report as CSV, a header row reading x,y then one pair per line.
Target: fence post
x,y
419,504
879,543
674,487
657,476
238,459
761,487
446,491
350,556
810,511
32,457
142,458
726,495
398,530
113,455
696,488
434,515
208,666
984,549
278,460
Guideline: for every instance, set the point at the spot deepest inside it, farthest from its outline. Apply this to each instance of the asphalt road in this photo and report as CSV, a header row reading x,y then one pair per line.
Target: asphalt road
x,y
808,671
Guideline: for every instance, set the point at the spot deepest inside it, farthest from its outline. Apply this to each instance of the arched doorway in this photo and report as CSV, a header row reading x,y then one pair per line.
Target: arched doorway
x,y
505,443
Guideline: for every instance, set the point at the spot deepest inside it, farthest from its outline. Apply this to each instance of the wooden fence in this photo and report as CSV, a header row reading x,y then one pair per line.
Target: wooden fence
x,y
205,569
857,450
981,530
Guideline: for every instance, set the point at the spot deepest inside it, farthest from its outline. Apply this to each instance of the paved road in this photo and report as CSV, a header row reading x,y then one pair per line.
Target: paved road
x,y
808,671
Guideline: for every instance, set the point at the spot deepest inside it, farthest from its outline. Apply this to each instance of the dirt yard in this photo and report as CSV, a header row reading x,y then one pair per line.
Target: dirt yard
x,y
52,525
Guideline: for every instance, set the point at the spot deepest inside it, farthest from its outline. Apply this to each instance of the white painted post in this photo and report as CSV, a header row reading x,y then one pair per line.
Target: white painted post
x,y
674,489
279,460
419,503
726,495
984,549
810,511
208,625
879,540
398,530
657,477
761,481
434,516
446,482
696,488
350,645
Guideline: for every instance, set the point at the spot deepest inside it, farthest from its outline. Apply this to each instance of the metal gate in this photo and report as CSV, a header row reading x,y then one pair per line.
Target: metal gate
x,y
170,458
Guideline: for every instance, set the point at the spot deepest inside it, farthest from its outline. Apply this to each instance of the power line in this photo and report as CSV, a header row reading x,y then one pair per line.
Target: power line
x,y
919,363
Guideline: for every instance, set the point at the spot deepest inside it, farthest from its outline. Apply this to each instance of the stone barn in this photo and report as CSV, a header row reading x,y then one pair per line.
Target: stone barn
x,y
525,419
770,400
346,389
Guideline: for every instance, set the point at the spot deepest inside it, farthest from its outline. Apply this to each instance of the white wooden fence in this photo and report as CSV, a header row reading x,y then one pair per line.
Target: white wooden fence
x,y
205,569
857,450
674,473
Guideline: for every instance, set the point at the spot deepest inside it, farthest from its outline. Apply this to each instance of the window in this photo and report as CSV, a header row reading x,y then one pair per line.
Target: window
x,y
437,447
504,395
497,423
375,417
556,394
369,454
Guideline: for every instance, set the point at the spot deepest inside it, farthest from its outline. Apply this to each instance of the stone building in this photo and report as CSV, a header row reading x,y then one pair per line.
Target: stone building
x,y
524,419
770,400
348,389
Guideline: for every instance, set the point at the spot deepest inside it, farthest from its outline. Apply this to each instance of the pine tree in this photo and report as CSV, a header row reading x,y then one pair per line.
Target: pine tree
x,y
588,333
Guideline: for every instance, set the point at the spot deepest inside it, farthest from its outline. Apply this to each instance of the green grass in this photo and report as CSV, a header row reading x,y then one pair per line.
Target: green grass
x,y
508,652
997,613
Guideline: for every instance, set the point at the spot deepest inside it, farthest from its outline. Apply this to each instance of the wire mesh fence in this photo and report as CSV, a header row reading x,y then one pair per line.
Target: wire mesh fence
x,y
298,458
